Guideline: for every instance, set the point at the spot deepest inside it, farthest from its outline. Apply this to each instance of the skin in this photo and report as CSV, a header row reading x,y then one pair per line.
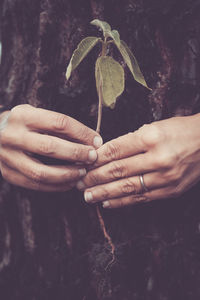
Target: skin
x,y
166,152
26,130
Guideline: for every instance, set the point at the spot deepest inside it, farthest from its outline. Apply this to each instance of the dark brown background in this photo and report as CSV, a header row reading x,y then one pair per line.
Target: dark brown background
x,y
51,246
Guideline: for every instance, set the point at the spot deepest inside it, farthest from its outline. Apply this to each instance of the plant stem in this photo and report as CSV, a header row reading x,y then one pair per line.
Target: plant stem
x,y
101,220
99,109
104,48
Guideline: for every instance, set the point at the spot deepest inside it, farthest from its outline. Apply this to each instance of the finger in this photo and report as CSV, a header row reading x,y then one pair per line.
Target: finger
x,y
140,141
51,146
36,171
15,178
139,164
124,201
49,121
157,194
122,147
123,187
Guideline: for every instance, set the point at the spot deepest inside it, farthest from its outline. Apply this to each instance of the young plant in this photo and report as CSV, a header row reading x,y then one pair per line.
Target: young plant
x,y
109,76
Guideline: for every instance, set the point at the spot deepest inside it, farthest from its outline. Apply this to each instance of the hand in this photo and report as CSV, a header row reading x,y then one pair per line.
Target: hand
x,y
166,153
26,130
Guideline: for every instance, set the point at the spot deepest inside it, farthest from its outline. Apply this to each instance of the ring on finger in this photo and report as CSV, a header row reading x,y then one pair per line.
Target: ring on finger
x,y
144,188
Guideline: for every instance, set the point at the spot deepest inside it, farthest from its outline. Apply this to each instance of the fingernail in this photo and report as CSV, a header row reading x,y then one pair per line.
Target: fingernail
x,y
88,196
82,172
97,142
106,204
92,155
80,185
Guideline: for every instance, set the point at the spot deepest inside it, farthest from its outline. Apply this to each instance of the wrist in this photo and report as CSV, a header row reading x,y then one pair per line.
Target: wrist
x,y
193,125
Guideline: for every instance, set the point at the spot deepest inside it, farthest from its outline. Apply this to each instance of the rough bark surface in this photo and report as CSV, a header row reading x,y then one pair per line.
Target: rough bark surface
x,y
51,246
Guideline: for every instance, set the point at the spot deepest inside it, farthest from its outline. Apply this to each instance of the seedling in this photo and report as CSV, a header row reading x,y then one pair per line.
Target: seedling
x,y
109,76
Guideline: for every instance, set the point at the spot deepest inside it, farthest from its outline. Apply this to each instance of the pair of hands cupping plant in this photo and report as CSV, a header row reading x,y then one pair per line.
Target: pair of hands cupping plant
x,y
157,161
165,153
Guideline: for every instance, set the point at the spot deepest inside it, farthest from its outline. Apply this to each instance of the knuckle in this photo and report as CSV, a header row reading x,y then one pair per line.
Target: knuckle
x,y
117,170
35,185
144,198
104,194
84,133
128,187
140,199
38,175
163,161
77,154
68,175
61,122
46,147
94,178
112,151
172,176
20,111
151,134
21,107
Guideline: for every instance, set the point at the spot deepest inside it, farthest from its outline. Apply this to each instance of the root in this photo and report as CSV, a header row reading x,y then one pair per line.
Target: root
x,y
107,236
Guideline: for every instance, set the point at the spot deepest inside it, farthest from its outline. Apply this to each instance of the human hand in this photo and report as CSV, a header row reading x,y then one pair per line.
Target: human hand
x,y
27,130
166,153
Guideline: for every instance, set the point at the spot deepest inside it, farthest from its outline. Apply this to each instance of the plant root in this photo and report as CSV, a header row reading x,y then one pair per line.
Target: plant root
x,y
107,236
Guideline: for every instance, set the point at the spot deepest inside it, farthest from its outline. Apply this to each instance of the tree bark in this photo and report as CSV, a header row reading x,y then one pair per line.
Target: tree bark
x,y
51,245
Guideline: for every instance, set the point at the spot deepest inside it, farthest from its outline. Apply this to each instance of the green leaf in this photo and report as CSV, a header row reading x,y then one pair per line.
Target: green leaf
x,y
107,32
114,34
104,26
79,54
132,63
110,79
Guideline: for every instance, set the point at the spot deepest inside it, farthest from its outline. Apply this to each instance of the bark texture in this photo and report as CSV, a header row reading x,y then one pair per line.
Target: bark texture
x,y
51,246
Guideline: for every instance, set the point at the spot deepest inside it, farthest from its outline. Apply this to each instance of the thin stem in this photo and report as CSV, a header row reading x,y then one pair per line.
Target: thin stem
x,y
101,220
104,48
99,109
